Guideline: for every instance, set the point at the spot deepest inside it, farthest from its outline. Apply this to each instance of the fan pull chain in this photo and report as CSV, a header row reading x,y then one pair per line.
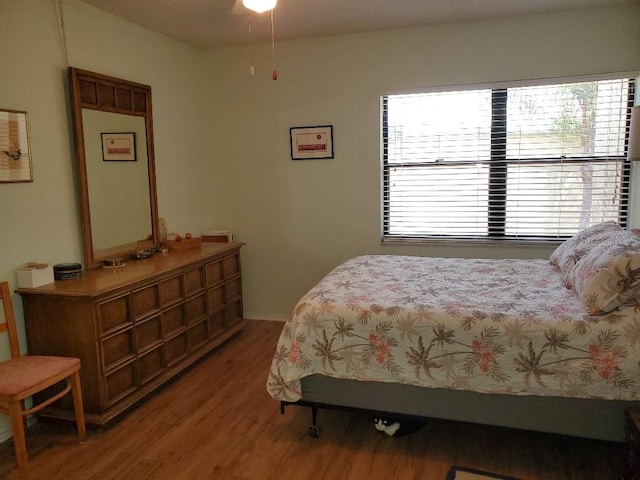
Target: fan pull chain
x,y
252,70
274,73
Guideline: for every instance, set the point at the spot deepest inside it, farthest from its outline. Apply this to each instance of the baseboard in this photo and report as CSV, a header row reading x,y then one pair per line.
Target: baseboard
x,y
265,316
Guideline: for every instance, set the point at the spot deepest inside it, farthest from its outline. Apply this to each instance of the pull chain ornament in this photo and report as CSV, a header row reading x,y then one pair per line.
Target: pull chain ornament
x,y
252,70
274,72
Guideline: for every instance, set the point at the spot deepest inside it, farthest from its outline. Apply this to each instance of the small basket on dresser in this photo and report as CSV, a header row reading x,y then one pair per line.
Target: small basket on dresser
x,y
67,271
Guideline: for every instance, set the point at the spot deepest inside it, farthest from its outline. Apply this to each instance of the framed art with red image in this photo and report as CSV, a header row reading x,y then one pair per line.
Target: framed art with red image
x,y
311,143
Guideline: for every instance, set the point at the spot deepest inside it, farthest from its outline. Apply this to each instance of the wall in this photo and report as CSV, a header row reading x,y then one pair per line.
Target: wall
x,y
301,218
40,220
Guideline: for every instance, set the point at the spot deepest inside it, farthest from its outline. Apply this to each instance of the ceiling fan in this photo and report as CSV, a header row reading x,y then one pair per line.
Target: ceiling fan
x,y
240,7
249,7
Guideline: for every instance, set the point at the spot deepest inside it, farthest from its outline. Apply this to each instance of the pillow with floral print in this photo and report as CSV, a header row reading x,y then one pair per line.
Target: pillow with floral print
x,y
609,275
573,249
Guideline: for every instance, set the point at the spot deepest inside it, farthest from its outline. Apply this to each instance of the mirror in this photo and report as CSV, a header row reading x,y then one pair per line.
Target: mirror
x,y
113,128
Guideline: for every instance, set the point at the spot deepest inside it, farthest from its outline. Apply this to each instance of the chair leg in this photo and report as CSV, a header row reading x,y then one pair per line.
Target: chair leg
x,y
76,392
19,439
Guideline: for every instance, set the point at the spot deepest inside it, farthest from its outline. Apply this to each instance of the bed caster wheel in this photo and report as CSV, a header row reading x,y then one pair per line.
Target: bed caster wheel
x,y
314,432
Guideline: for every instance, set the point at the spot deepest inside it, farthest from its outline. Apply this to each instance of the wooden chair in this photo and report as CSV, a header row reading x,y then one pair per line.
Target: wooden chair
x,y
21,377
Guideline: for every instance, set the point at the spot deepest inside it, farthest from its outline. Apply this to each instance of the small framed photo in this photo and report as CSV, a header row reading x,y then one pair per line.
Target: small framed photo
x,y
311,143
119,147
15,152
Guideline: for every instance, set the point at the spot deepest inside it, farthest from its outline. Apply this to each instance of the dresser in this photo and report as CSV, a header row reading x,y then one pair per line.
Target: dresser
x,y
135,327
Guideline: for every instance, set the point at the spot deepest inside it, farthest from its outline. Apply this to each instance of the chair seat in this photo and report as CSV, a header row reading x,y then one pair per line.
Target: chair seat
x,y
20,374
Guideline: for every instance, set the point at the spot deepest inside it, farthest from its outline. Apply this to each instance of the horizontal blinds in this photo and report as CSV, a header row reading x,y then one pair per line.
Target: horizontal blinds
x,y
540,161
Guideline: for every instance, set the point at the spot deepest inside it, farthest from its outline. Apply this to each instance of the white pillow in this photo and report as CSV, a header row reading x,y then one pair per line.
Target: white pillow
x,y
573,249
609,275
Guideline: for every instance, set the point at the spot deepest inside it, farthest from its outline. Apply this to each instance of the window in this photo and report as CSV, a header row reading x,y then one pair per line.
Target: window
x,y
514,162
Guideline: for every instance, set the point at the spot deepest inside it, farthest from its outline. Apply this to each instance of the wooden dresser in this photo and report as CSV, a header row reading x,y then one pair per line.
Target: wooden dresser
x,y
136,327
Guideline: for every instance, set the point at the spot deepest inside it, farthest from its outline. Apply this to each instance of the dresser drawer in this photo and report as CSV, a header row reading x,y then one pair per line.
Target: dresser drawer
x,y
173,320
214,273
196,308
148,333
198,334
193,281
151,364
231,266
233,313
176,348
119,383
171,291
145,301
117,348
114,313
216,323
233,289
216,299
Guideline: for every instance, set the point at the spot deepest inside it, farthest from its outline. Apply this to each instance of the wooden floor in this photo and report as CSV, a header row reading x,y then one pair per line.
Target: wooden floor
x,y
217,422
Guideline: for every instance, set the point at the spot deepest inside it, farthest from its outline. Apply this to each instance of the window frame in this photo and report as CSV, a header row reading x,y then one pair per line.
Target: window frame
x,y
499,162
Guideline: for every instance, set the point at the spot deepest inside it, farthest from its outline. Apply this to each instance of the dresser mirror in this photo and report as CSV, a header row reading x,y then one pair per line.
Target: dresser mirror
x,y
113,128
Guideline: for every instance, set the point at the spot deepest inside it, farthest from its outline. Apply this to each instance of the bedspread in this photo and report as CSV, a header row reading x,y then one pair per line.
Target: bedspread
x,y
491,326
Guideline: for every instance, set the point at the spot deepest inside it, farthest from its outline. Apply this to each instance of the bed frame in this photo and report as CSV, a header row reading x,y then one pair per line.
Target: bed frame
x,y
590,418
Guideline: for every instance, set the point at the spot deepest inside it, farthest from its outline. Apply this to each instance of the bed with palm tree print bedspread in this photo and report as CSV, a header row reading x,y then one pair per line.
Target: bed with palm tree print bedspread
x,y
506,326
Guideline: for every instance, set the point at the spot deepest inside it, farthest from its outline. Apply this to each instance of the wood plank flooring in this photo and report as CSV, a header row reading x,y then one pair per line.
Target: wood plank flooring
x,y
216,421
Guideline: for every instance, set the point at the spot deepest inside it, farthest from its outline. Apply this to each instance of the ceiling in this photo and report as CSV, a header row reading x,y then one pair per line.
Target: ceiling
x,y
213,23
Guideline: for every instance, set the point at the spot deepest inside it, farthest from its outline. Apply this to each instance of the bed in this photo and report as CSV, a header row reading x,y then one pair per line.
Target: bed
x,y
552,346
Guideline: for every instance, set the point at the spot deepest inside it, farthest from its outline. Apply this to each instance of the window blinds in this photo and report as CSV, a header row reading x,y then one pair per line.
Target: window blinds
x,y
513,162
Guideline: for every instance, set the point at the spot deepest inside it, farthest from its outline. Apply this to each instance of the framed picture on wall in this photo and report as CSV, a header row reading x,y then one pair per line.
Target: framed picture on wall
x,y
119,147
311,143
15,152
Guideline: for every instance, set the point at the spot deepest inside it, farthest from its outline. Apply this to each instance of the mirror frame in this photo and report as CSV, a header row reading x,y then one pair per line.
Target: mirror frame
x,y
95,91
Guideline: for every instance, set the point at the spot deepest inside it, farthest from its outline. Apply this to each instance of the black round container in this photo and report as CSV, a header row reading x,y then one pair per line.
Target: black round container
x,y
67,271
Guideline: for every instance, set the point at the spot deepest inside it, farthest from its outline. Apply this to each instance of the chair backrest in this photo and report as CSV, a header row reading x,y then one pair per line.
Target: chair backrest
x,y
8,323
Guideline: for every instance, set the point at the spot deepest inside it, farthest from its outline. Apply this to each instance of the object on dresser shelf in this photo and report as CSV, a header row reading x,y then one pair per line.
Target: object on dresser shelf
x,y
163,249
177,242
34,274
217,236
67,271
113,263
163,230
142,254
